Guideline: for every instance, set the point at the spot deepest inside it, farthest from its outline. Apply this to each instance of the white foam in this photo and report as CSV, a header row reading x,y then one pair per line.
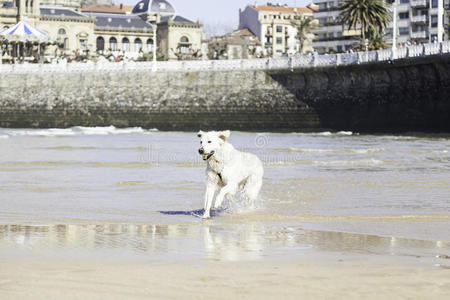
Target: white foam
x,y
346,150
4,137
344,133
342,163
324,133
77,130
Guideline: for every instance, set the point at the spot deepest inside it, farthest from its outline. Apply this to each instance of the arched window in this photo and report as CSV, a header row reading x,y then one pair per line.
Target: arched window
x,y
113,43
125,44
100,43
61,31
137,45
184,45
149,45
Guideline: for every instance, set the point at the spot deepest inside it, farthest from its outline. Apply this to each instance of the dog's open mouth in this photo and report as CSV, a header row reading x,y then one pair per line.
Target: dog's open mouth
x,y
206,156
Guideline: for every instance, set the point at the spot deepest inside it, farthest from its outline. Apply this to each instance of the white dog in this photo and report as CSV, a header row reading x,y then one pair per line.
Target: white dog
x,y
228,169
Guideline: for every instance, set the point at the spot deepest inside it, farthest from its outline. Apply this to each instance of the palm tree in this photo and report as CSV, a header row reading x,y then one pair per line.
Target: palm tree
x,y
365,13
304,28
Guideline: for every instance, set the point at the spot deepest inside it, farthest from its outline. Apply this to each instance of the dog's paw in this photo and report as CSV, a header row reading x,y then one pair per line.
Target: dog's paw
x,y
206,216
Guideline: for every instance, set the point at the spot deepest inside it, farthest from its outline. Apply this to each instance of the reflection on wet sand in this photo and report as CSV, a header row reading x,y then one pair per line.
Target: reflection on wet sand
x,y
212,242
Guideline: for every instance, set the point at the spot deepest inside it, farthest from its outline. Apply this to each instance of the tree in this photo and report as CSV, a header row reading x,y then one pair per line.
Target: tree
x,y
376,40
304,28
365,13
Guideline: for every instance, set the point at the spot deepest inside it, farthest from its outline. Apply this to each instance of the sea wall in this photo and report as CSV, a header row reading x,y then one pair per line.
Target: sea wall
x,y
409,95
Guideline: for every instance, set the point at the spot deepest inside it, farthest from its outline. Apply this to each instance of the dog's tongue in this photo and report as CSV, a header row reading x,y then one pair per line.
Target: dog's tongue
x,y
205,155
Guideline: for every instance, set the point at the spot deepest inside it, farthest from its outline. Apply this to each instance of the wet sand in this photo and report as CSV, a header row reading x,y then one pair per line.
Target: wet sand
x,y
86,279
216,261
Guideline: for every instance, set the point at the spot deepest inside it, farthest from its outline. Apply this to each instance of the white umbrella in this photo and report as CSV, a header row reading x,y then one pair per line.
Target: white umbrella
x,y
24,32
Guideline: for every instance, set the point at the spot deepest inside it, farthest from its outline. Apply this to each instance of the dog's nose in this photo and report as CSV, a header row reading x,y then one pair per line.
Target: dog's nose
x,y
201,151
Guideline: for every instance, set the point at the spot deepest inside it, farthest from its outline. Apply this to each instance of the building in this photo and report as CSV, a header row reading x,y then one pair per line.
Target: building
x,y
331,36
417,22
274,26
106,29
239,44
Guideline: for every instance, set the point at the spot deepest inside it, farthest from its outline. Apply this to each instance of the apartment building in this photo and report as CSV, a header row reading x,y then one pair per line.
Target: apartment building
x,y
331,36
417,22
272,25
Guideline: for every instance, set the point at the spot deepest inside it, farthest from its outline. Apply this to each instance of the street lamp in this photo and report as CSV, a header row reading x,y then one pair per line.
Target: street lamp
x,y
394,29
440,28
154,26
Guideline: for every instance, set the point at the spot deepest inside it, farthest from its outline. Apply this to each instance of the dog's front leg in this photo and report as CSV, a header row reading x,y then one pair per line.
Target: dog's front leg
x,y
229,189
211,187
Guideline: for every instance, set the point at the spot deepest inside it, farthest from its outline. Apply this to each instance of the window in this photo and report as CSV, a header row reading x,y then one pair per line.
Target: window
x,y
279,28
434,20
434,3
100,43
149,45
279,41
82,44
137,45
403,30
125,44
404,1
61,31
403,15
184,45
113,43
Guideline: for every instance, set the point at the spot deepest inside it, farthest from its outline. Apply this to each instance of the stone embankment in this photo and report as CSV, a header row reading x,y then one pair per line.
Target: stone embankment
x,y
407,95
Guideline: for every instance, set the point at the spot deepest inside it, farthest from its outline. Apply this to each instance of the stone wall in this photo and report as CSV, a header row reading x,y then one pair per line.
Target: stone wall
x,y
406,96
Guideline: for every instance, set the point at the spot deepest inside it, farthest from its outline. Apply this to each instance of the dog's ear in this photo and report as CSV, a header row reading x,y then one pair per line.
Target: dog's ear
x,y
200,133
224,134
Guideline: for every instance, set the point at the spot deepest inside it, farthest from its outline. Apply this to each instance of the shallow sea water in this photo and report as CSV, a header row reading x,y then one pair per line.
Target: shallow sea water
x,y
135,192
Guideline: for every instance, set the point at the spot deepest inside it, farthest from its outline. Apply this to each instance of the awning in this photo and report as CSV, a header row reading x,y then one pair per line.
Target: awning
x,y
24,32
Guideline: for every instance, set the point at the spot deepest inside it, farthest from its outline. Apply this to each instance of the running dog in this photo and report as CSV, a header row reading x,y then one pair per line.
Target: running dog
x,y
228,170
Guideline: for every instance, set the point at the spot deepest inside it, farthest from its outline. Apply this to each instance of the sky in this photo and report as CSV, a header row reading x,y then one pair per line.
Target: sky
x,y
218,16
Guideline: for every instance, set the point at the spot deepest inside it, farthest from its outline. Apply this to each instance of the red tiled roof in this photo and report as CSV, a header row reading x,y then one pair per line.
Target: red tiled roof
x,y
108,8
281,8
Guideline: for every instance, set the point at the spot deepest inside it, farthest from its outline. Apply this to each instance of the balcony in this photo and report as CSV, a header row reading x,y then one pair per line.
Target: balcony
x,y
419,35
419,3
419,19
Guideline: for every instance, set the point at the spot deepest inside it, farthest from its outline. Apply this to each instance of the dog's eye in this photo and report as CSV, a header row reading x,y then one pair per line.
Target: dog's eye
x,y
200,142
209,142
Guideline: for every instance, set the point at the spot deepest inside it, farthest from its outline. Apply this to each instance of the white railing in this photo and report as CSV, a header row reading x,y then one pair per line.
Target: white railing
x,y
419,3
419,19
296,62
419,34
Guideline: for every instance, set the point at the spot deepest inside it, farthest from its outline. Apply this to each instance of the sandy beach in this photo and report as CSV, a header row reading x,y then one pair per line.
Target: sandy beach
x,y
81,279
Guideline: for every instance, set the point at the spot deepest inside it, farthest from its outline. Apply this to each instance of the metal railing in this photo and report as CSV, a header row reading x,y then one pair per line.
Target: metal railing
x,y
295,62
419,3
419,19
419,34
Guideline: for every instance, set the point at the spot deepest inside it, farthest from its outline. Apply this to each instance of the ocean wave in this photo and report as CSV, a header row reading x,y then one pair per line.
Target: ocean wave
x,y
347,150
331,163
77,130
4,137
343,163
325,133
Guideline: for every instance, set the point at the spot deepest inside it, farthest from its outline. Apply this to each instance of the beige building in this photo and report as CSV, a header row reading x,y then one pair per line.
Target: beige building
x,y
239,44
107,29
273,26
